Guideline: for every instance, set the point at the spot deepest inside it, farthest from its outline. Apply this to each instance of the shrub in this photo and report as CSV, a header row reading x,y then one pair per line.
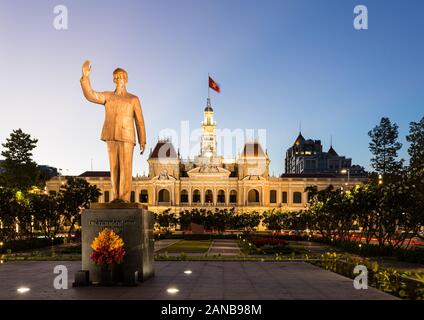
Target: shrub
x,y
260,242
29,244
387,280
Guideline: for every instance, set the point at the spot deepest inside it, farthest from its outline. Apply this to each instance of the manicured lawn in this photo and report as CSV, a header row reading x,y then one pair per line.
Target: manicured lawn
x,y
188,246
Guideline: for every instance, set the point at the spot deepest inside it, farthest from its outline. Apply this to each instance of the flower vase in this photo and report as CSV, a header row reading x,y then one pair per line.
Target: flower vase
x,y
106,276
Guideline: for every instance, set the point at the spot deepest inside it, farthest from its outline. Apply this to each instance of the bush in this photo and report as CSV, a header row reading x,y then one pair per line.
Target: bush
x,y
21,245
414,255
267,241
388,280
195,236
71,250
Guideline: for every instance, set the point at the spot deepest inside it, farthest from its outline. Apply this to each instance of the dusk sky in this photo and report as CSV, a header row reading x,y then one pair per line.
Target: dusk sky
x,y
278,63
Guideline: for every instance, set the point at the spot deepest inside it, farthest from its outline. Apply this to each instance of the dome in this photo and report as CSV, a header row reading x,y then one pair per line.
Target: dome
x,y
208,106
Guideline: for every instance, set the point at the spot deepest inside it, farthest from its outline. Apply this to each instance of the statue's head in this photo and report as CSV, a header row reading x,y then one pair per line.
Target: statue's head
x,y
120,77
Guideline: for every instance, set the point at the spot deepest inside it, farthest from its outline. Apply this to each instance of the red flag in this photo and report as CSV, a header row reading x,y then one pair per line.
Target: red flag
x,y
213,85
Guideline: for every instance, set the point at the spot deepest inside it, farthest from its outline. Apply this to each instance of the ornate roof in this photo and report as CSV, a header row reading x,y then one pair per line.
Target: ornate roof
x,y
208,106
332,152
253,149
164,149
299,140
208,170
95,174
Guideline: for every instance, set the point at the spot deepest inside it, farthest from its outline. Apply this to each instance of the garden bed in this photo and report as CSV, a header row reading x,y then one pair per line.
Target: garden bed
x,y
268,245
401,284
30,244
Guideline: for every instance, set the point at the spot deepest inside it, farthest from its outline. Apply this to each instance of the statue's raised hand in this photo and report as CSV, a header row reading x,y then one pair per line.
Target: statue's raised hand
x,y
86,68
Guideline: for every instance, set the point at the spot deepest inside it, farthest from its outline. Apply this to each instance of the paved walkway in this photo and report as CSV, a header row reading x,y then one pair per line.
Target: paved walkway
x,y
224,248
208,280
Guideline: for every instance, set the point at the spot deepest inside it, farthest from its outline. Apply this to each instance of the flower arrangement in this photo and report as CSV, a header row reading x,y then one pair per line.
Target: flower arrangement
x,y
108,248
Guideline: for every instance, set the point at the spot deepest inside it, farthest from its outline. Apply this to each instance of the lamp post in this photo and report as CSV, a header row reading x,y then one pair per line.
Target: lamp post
x,y
344,171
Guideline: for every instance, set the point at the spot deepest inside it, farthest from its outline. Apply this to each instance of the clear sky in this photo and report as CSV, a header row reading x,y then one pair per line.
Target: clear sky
x,y
278,63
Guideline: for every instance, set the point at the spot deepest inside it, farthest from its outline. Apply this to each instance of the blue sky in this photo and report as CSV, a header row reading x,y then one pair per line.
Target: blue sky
x,y
278,63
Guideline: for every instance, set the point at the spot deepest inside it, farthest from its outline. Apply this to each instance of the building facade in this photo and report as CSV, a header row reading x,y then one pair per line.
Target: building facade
x,y
307,157
209,182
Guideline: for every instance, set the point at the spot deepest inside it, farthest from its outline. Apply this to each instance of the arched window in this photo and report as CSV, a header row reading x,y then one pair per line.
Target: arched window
x,y
284,197
196,196
253,196
221,196
184,196
132,197
107,197
209,196
164,196
297,197
233,196
143,197
273,196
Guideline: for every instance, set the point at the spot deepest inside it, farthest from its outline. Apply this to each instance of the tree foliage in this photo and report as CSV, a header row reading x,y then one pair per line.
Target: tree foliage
x,y
18,168
74,196
384,147
416,147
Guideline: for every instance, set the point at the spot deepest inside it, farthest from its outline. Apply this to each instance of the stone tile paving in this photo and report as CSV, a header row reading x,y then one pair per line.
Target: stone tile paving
x,y
209,280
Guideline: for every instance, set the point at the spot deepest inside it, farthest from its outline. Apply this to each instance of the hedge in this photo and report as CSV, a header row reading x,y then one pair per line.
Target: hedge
x,y
21,245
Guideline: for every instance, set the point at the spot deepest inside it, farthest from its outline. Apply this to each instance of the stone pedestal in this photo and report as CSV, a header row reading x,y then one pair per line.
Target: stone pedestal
x,y
134,224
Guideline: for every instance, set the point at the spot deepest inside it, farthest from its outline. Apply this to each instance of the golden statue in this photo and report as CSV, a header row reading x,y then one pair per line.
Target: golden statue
x,y
122,109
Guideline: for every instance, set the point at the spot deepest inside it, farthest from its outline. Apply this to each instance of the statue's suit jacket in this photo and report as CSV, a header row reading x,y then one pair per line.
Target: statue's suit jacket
x,y
121,111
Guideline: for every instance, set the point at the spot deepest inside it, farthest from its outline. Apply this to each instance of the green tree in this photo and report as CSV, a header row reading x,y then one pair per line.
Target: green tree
x,y
416,140
19,170
74,196
7,218
273,220
384,147
166,219
20,208
45,211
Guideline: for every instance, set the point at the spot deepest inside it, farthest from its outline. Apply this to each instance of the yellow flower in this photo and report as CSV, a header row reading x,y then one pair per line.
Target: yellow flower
x,y
107,240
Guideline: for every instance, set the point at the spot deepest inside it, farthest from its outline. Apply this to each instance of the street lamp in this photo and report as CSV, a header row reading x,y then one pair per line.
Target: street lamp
x,y
380,179
344,171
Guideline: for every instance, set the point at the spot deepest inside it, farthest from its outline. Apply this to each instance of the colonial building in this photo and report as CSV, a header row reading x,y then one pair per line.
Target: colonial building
x,y
207,181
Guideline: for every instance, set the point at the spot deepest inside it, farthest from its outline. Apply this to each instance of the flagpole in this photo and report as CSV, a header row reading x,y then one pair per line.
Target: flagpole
x,y
209,88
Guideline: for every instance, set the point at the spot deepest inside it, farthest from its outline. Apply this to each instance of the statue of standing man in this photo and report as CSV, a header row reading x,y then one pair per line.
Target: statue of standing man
x,y
122,110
